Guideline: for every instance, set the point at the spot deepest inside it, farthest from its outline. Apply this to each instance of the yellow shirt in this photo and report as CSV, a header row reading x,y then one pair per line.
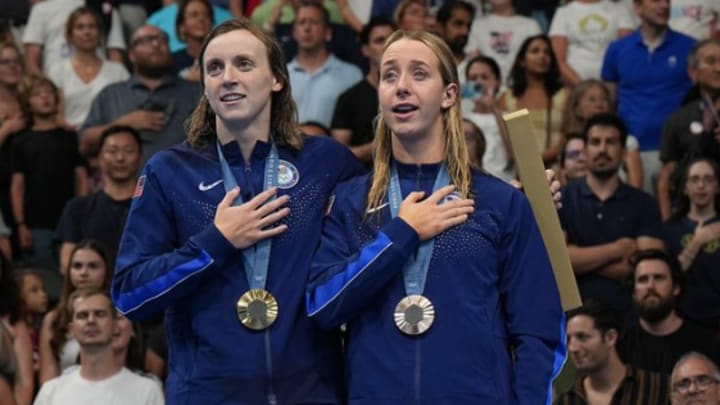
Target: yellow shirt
x,y
539,117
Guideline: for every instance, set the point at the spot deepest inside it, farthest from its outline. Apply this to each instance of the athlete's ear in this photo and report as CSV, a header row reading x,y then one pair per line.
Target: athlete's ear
x,y
449,95
276,85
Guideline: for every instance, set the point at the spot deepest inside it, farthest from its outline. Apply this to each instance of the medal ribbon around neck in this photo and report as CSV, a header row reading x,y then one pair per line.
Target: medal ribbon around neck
x,y
414,314
415,270
257,309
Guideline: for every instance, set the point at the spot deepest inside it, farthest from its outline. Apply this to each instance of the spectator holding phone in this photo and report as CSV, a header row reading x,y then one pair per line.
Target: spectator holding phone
x,y
479,102
153,101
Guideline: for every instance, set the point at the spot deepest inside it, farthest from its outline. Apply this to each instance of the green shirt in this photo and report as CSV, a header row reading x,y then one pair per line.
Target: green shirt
x,y
261,14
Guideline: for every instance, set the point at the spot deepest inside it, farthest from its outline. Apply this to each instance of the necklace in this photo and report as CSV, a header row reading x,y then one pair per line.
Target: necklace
x,y
86,71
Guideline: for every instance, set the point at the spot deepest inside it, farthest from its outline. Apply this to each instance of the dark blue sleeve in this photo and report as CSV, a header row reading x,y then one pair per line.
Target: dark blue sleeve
x,y
534,317
344,278
154,268
609,67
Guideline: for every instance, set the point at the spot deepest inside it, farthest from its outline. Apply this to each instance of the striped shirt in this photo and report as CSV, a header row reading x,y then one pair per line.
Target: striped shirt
x,y
639,387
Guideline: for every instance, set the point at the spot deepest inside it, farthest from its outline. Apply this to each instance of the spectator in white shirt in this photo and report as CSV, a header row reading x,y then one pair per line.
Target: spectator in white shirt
x,y
500,34
581,32
45,43
81,77
100,379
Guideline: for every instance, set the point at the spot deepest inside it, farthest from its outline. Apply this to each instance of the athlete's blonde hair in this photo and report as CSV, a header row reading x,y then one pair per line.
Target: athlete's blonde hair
x,y
455,154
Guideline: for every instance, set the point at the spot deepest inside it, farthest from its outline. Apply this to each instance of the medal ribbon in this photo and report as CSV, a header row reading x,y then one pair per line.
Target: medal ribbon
x,y
415,270
256,258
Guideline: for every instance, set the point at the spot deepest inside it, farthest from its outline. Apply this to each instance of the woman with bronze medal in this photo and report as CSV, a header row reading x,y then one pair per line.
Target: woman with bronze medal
x,y
438,270
221,233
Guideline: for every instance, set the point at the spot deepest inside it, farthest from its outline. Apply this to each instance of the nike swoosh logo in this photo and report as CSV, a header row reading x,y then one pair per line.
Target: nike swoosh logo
x,y
378,208
203,187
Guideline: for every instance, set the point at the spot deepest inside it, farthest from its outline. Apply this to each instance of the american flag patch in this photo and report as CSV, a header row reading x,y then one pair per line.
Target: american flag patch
x,y
139,187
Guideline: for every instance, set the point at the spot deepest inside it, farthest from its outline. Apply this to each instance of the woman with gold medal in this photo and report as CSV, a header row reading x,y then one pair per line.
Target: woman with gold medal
x,y
221,233
438,270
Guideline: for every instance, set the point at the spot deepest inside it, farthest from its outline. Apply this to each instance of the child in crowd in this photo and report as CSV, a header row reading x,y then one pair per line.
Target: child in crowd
x,y
33,306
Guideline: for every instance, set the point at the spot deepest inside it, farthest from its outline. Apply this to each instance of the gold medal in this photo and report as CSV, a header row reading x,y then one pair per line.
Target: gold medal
x,y
414,314
257,309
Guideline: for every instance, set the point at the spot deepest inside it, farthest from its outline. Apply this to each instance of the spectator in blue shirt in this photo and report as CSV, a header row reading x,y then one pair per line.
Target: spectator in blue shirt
x,y
649,68
317,77
606,221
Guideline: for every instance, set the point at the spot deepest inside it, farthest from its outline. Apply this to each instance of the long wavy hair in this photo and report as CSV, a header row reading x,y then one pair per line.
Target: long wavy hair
x,y
518,73
455,154
284,129
59,326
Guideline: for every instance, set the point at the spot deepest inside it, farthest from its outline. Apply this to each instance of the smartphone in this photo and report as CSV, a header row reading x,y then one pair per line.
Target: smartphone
x,y
165,106
473,90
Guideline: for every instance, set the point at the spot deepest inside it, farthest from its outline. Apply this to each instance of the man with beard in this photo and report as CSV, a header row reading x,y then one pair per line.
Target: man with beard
x,y
606,221
152,101
101,215
317,77
660,336
592,334
454,19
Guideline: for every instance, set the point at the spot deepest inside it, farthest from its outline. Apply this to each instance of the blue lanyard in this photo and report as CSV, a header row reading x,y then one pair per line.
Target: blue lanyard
x,y
415,270
256,258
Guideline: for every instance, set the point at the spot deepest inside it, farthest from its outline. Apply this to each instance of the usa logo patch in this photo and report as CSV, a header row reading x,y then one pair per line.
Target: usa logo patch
x,y
288,175
139,187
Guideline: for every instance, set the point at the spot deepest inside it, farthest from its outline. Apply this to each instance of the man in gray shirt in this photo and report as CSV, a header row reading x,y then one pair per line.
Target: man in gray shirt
x,y
152,101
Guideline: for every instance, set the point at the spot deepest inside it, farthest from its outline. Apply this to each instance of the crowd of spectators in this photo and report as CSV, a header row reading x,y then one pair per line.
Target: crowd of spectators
x,y
624,100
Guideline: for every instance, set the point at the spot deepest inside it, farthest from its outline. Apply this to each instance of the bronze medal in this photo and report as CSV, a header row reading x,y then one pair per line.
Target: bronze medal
x,y
257,309
414,315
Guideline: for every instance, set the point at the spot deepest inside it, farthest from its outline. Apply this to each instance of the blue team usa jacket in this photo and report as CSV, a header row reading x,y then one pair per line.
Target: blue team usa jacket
x,y
173,259
489,279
